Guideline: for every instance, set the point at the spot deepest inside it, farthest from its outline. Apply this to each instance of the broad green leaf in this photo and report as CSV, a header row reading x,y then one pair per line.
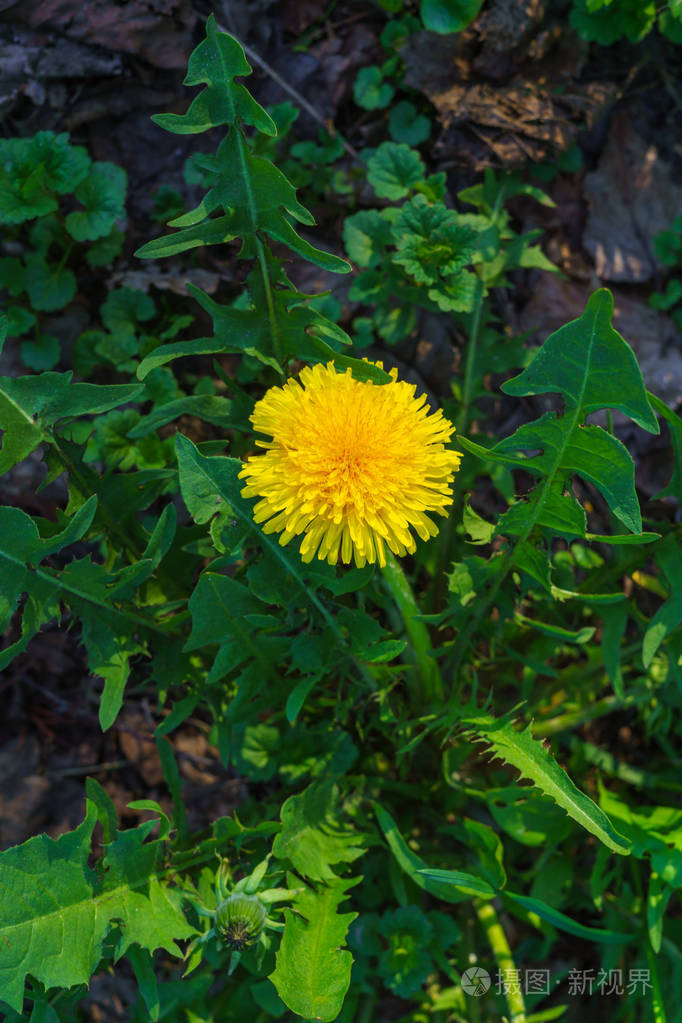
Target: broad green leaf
x,y
32,169
102,194
43,354
591,366
58,911
220,607
533,762
216,62
312,837
394,170
407,125
366,236
50,287
585,451
30,405
446,16
370,90
312,972
448,885
125,308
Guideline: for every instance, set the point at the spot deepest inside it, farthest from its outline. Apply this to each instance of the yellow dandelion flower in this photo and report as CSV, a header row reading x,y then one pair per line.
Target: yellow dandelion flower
x,y
352,465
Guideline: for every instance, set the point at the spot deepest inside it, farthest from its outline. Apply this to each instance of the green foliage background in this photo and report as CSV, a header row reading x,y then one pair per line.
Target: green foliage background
x,y
429,797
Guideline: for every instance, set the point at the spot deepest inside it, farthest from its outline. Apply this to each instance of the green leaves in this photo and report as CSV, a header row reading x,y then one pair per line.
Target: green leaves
x,y
31,406
370,90
312,974
592,367
448,885
394,169
34,170
58,911
102,194
312,838
445,16
533,762
254,195
49,287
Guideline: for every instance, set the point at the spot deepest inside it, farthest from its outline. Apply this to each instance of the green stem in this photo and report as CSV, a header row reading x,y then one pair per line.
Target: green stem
x,y
659,1014
445,554
267,287
431,683
503,955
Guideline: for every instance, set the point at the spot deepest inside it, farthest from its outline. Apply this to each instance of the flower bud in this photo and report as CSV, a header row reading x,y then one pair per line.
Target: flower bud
x,y
239,921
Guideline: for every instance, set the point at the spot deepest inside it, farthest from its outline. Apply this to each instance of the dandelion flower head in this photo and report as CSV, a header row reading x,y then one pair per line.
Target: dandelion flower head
x,y
352,465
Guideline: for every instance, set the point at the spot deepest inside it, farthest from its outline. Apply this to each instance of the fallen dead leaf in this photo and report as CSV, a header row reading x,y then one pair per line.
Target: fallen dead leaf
x,y
633,194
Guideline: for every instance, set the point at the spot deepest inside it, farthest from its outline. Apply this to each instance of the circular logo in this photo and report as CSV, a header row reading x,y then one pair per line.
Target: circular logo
x,y
475,981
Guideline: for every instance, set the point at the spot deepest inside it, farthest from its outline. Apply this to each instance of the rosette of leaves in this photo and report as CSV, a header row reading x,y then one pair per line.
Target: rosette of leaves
x,y
406,961
434,248
36,176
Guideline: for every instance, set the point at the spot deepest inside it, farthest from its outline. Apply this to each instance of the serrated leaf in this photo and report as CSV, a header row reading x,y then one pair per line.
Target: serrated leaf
x,y
256,196
431,242
312,838
394,170
125,308
568,449
312,972
102,194
32,169
58,911
216,62
533,762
